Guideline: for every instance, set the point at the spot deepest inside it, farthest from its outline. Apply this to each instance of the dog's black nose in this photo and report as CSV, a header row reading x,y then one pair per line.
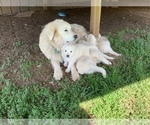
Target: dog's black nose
x,y
67,55
75,36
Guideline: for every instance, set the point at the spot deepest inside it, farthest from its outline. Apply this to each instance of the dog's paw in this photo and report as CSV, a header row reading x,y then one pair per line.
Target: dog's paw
x,y
67,70
119,54
104,74
65,65
75,77
108,63
58,75
111,58
115,53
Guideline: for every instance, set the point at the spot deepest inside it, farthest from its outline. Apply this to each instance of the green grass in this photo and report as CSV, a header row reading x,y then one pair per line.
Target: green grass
x,y
18,44
123,94
131,101
35,101
24,67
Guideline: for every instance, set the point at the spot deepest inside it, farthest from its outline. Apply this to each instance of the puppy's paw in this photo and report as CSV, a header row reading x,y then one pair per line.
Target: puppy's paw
x,y
119,54
75,77
111,58
108,63
104,74
115,53
58,75
65,64
67,70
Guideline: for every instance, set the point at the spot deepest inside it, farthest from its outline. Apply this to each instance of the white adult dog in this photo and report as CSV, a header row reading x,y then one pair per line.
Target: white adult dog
x,y
52,37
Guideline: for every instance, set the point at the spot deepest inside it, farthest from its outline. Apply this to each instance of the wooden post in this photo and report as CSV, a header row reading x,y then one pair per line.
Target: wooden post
x,y
95,17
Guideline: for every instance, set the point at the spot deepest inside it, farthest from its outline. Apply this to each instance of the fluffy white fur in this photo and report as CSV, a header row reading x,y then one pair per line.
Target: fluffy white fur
x,y
72,52
86,65
79,30
88,39
86,54
52,37
104,46
102,43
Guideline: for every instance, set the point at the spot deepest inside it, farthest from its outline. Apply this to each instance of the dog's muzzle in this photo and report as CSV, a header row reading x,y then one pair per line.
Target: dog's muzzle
x,y
75,37
67,56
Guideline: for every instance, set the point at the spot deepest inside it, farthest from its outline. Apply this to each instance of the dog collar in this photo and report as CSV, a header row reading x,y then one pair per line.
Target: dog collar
x,y
56,51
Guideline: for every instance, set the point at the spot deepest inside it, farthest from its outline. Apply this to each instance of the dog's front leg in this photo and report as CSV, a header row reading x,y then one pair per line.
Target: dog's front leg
x,y
74,73
57,69
71,63
65,63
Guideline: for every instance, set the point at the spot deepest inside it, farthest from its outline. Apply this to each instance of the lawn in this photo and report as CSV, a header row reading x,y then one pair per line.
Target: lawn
x,y
125,93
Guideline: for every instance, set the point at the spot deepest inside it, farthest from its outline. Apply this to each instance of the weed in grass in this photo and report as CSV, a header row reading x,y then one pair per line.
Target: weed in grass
x,y
24,67
6,63
2,46
2,78
18,44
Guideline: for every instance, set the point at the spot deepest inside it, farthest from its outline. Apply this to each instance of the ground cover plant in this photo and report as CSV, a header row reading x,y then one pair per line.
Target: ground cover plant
x,y
123,94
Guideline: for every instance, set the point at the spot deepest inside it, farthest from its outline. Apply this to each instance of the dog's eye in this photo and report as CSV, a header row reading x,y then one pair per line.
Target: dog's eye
x,y
71,51
66,30
65,50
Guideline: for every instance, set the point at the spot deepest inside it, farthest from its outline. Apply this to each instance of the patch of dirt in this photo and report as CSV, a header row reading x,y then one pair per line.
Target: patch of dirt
x,y
26,31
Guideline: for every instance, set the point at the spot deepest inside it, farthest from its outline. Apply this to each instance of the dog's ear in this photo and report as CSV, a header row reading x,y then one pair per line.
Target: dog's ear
x,y
52,34
57,40
53,39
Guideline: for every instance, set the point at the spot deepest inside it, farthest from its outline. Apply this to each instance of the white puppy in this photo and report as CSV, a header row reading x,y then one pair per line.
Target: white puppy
x,y
72,52
79,30
102,43
86,65
104,46
52,37
88,39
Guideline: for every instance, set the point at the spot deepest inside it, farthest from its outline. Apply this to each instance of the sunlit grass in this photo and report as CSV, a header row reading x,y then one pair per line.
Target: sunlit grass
x,y
131,101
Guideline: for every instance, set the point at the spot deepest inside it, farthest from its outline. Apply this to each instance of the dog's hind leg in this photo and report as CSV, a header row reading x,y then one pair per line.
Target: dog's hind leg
x,y
57,69
97,69
74,73
114,53
99,57
105,61
107,57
